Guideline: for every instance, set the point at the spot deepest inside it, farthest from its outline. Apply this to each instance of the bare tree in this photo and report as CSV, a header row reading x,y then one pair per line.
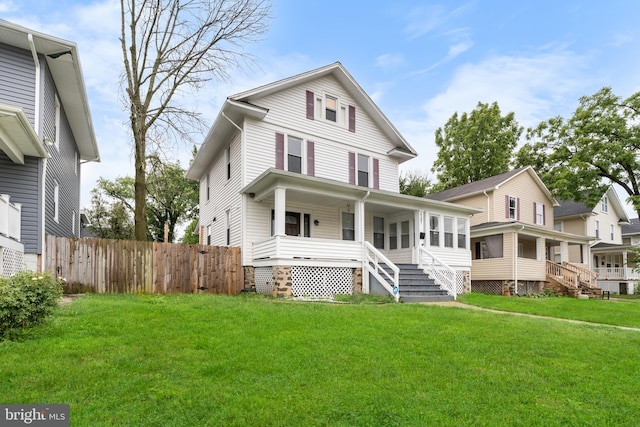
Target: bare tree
x,y
171,48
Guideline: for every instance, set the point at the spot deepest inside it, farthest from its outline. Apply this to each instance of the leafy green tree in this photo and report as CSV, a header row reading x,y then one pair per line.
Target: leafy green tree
x,y
172,199
413,183
598,145
191,236
475,146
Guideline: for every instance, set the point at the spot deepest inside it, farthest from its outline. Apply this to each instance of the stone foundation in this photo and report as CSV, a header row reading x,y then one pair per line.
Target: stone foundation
x,y
249,277
466,282
357,280
282,281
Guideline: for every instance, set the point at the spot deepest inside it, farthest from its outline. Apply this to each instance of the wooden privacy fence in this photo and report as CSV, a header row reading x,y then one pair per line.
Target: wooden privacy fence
x,y
123,266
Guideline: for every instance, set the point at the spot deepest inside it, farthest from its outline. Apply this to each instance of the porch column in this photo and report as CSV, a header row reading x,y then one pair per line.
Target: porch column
x,y
358,220
564,252
279,207
624,264
586,256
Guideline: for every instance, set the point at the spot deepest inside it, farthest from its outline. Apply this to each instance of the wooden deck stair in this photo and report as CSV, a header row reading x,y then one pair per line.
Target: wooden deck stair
x,y
573,280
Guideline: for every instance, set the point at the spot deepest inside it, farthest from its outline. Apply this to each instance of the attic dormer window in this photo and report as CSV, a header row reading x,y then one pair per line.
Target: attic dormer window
x,y
604,204
331,108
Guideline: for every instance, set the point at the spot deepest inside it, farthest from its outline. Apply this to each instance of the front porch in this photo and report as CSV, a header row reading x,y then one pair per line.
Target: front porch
x,y
308,229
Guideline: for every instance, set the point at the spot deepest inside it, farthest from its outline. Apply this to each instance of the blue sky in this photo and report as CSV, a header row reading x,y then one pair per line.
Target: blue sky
x,y
420,61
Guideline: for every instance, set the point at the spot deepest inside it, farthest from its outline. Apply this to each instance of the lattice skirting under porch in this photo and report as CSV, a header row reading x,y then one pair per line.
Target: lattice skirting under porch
x,y
487,286
316,282
11,262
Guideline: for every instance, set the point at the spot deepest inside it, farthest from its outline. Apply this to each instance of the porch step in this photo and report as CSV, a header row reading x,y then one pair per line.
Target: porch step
x,y
416,286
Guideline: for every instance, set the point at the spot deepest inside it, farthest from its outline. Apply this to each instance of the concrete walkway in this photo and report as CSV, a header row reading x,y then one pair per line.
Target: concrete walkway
x,y
457,304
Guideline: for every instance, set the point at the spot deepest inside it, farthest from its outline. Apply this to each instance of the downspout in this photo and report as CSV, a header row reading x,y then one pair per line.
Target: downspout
x,y
36,127
363,250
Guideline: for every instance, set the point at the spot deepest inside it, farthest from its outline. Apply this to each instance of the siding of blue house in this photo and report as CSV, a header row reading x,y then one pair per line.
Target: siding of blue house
x,y
17,79
60,167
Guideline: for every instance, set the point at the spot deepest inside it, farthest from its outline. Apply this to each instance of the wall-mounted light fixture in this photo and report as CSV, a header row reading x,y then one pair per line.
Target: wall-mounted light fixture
x,y
316,222
47,141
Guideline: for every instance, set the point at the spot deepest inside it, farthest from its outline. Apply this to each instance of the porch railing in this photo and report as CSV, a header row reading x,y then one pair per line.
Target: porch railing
x,y
585,276
9,218
440,272
374,259
571,275
625,273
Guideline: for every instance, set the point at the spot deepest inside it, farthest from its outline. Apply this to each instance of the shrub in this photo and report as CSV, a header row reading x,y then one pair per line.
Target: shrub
x,y
26,298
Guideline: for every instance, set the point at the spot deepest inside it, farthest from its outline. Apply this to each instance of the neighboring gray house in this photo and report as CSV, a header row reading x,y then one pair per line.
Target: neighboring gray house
x,y
46,134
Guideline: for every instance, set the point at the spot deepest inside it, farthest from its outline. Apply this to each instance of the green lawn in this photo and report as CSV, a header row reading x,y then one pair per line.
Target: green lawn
x,y
621,312
197,360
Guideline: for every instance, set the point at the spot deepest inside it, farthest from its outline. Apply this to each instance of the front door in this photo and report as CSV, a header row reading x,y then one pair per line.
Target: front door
x,y
292,224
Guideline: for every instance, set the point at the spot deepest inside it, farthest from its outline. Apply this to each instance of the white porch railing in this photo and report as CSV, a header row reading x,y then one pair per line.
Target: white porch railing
x,y
10,214
304,248
624,273
441,273
372,265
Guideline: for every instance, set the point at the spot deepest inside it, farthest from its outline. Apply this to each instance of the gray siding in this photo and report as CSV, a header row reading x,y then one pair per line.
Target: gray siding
x,y
17,79
21,183
60,166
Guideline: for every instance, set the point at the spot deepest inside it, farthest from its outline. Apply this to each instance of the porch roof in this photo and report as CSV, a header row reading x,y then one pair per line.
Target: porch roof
x,y
608,247
17,137
314,190
489,228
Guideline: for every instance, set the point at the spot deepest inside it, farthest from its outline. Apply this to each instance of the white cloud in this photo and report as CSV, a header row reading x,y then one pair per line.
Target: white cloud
x,y
390,60
535,87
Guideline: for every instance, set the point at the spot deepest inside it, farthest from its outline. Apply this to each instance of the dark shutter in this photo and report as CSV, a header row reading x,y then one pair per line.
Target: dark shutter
x,y
352,168
517,209
311,158
544,216
535,216
376,174
310,106
279,151
352,118
506,207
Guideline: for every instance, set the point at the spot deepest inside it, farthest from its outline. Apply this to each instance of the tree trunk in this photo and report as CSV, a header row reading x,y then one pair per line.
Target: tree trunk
x,y
140,186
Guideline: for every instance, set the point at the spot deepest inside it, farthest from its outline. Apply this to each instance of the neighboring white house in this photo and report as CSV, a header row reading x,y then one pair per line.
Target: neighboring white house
x,y
302,174
604,224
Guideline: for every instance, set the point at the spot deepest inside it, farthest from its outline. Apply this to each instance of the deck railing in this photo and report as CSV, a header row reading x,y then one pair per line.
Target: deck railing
x,y
585,276
624,273
373,265
440,272
10,214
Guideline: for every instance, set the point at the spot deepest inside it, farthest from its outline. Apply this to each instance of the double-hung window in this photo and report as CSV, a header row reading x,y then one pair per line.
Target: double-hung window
x,y
228,162
434,230
56,201
604,204
348,226
378,232
405,238
363,170
331,108
448,232
513,208
294,154
539,211
597,229
393,235
462,233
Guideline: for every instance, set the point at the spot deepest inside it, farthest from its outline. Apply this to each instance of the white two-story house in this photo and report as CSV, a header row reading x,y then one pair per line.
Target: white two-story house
x,y
302,174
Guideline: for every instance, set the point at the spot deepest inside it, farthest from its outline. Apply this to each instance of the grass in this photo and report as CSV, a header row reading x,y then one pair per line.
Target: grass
x,y
214,360
612,312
